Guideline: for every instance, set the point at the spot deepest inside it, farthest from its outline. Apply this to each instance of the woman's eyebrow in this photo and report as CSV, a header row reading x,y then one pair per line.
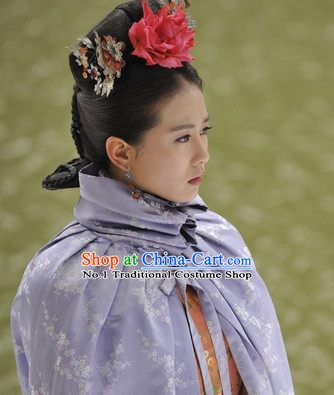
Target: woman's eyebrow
x,y
188,126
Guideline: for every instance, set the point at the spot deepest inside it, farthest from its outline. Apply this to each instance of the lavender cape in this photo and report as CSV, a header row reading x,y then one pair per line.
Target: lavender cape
x,y
75,335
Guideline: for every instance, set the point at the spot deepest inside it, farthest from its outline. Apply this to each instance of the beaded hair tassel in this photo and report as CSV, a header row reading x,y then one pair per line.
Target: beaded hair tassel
x,y
134,192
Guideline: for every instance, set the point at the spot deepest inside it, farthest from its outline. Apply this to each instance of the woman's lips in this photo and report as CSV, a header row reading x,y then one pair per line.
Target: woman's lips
x,y
197,180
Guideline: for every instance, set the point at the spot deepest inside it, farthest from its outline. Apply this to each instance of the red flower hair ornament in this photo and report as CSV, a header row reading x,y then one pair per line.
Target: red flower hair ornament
x,y
163,38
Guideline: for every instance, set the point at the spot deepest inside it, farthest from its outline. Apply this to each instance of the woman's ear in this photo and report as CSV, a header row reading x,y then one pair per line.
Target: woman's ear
x,y
120,153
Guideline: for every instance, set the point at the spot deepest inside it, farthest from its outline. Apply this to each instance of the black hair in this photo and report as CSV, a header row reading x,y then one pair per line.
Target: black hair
x,y
132,107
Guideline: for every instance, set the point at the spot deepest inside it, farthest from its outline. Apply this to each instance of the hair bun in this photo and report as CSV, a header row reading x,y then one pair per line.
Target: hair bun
x,y
65,176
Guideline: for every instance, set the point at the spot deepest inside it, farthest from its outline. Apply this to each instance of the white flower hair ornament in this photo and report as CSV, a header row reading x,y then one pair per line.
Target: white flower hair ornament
x,y
108,55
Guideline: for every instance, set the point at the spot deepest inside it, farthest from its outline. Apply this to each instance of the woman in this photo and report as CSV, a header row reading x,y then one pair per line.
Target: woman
x,y
92,316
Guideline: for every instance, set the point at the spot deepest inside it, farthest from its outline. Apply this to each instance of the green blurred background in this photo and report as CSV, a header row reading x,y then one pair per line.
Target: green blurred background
x,y
269,73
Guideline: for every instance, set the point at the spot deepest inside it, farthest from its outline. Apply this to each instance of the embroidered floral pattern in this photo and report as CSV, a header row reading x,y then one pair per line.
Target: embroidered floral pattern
x,y
67,281
114,365
203,331
68,363
93,318
152,300
169,366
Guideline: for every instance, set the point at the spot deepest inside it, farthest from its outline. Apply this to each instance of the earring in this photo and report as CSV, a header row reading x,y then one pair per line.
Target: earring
x,y
134,192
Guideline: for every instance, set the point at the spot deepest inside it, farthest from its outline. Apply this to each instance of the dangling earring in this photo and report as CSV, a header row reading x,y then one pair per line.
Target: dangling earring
x,y
134,192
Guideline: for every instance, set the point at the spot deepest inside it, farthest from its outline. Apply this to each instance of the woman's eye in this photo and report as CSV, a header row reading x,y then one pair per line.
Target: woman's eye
x,y
184,139
205,130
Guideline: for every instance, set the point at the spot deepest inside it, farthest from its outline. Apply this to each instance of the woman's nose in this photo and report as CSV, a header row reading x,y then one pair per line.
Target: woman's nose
x,y
202,154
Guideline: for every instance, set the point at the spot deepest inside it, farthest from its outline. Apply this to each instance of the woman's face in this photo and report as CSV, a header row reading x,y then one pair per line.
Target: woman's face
x,y
170,161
